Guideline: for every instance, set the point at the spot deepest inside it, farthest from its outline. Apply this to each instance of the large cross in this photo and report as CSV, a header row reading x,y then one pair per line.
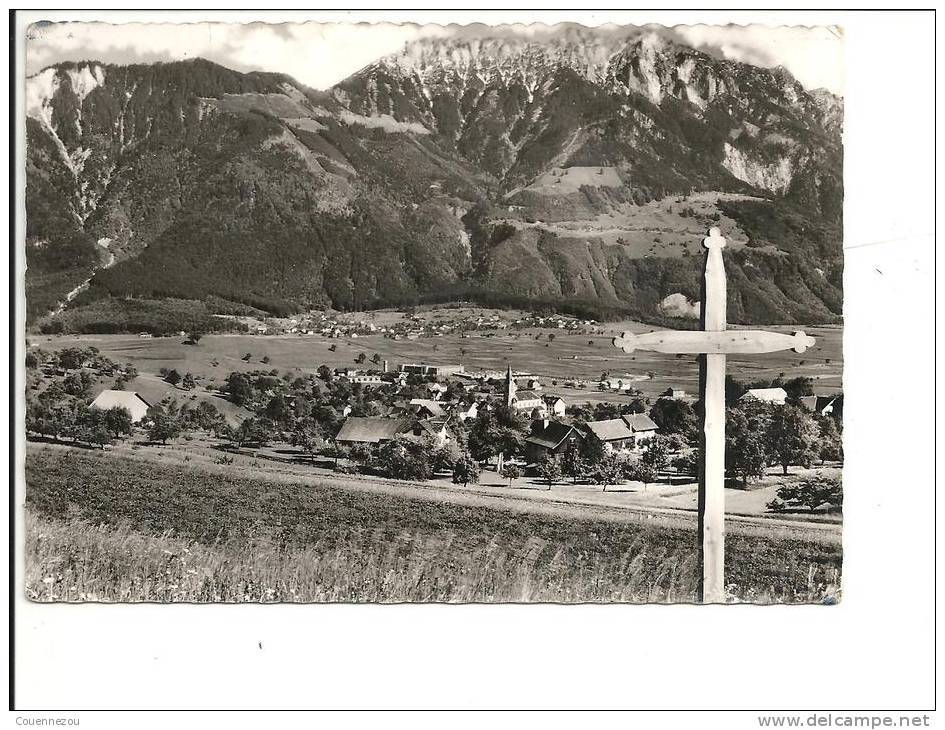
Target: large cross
x,y
712,344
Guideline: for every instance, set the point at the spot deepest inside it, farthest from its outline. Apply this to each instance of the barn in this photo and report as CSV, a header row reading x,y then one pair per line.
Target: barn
x,y
136,405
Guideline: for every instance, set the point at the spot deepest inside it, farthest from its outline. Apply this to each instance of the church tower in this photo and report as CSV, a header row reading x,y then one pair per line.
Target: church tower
x,y
509,387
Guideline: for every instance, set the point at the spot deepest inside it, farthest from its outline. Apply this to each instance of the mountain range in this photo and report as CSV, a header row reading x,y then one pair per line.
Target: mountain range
x,y
579,170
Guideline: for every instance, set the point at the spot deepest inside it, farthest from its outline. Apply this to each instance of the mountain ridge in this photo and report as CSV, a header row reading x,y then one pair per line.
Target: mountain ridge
x,y
185,178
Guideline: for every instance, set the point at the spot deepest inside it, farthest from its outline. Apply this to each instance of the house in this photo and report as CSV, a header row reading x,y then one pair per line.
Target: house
x,y
554,406
464,411
618,384
548,439
136,405
644,428
426,408
631,432
373,430
436,390
777,396
824,405
614,434
435,428
673,394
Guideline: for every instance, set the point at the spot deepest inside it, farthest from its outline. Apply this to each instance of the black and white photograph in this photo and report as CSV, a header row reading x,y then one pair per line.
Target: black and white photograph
x,y
346,312
507,314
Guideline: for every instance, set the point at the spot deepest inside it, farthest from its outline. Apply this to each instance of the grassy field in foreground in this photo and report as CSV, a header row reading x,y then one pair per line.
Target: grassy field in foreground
x,y
102,527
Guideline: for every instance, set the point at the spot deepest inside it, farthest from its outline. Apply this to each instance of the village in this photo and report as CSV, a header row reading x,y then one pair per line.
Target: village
x,y
438,423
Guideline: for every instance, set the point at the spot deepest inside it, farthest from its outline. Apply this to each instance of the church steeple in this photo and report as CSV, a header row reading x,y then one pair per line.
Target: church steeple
x,y
509,387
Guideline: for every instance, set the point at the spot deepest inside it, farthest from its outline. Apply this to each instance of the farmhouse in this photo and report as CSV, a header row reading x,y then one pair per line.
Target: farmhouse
x,y
136,405
673,394
362,430
549,438
628,433
776,396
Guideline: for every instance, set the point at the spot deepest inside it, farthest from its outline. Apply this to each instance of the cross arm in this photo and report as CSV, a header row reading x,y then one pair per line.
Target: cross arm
x,y
742,342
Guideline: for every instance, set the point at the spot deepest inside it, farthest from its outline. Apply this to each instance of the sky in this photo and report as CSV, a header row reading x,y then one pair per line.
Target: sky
x,y
322,54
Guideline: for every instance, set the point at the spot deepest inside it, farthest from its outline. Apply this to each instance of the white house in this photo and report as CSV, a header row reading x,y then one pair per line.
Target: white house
x,y
136,405
554,405
777,396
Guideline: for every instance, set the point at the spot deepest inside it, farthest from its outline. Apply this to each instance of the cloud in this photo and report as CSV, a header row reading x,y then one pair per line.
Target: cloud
x,y
322,54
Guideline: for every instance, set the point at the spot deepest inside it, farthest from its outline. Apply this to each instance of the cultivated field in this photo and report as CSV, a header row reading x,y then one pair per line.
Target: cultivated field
x,y
568,356
107,527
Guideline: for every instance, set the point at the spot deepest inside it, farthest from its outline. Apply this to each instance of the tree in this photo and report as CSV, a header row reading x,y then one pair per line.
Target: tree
x,y
572,463
117,420
277,409
376,359
674,416
551,337
831,441
360,358
91,428
247,357
266,360
79,384
609,469
792,437
656,455
466,470
592,450
188,383
641,471
746,454
405,458
810,493
308,436
324,372
511,472
163,427
550,470
173,377
239,388
206,416
194,337
256,431
797,388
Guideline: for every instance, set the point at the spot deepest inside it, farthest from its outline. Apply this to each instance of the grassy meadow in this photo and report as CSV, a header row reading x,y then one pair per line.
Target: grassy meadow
x,y
102,527
568,356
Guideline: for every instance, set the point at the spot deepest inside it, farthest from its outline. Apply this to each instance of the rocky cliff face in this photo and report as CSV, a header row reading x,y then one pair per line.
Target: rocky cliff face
x,y
581,166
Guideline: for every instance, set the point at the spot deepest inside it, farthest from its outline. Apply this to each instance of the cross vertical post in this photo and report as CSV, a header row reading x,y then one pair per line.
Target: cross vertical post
x,y
712,344
711,502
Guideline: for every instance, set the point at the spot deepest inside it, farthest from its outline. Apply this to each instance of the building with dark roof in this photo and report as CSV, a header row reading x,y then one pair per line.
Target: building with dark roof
x,y
548,439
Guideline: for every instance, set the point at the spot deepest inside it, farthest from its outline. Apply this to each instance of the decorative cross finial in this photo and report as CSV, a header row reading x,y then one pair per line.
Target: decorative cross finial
x,y
715,239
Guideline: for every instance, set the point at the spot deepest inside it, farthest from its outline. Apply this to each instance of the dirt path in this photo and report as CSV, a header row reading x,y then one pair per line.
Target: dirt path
x,y
558,502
